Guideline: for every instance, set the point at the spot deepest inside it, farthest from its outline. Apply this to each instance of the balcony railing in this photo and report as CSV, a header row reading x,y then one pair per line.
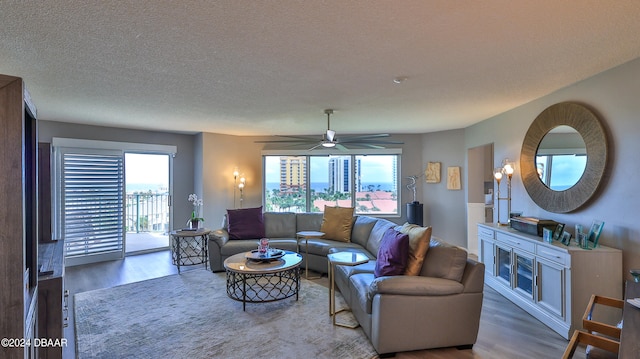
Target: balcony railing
x,y
147,212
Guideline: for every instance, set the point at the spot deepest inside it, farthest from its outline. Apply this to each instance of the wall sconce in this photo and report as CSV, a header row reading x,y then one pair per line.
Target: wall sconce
x,y
235,184
241,187
507,169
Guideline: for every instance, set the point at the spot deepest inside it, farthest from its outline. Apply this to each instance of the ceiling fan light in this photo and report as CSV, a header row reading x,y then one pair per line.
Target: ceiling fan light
x,y
328,144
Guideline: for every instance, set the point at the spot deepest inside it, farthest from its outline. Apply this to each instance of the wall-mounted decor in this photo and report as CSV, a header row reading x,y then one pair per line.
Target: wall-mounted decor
x,y
583,123
453,178
432,173
240,186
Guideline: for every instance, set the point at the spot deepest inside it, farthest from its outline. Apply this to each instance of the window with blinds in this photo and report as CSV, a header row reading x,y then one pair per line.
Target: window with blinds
x,y
92,205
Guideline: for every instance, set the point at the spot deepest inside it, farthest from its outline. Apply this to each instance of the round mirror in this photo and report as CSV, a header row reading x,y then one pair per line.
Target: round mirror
x,y
561,158
563,194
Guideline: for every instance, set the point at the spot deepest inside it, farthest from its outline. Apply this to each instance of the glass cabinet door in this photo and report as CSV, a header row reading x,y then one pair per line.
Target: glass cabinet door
x,y
503,260
524,274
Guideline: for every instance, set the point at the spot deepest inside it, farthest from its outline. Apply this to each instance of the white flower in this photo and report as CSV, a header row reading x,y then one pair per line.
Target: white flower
x,y
193,198
197,203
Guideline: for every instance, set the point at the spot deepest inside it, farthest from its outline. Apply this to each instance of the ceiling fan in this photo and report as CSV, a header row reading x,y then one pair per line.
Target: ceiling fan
x,y
330,140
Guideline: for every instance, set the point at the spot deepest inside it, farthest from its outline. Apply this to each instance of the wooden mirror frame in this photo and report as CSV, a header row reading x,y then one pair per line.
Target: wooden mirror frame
x,y
589,127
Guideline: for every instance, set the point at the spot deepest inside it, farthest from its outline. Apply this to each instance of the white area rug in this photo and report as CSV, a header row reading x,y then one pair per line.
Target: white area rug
x,y
190,316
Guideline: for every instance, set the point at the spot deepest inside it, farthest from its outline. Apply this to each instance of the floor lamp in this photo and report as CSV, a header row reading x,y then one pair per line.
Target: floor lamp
x,y
498,173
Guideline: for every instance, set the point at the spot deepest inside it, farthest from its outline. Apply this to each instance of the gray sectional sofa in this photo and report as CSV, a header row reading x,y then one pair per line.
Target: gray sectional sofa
x,y
440,307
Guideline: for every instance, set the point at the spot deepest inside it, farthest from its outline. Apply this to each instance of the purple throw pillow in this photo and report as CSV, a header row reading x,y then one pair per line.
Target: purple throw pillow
x,y
393,254
246,223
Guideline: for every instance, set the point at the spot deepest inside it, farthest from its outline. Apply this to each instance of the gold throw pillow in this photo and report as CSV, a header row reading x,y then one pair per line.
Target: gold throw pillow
x,y
419,239
337,223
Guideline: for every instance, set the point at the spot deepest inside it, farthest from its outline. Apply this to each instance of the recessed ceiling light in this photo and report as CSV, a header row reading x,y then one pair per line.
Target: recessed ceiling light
x,y
399,79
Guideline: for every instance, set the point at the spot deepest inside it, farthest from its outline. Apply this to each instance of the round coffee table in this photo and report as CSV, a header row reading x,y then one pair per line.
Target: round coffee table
x,y
252,281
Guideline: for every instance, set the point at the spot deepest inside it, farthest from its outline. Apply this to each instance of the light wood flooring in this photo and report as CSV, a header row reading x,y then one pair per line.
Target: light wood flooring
x,y
506,331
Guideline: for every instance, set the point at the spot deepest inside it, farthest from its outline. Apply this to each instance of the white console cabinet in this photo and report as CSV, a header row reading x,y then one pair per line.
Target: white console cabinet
x,y
550,281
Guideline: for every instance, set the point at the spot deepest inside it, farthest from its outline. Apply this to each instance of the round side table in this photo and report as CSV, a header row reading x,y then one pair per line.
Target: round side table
x,y
306,235
344,259
190,247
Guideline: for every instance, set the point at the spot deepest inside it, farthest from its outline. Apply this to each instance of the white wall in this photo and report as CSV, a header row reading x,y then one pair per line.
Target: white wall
x,y
445,210
614,96
220,155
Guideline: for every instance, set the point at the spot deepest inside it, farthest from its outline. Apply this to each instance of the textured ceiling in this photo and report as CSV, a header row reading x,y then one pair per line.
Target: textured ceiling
x,y
271,67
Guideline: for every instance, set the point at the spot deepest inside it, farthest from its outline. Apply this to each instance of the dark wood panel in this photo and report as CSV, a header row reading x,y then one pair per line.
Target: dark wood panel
x,y
51,297
18,233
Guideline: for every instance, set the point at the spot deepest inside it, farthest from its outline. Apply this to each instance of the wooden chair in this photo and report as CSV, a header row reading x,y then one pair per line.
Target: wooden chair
x,y
593,340
599,335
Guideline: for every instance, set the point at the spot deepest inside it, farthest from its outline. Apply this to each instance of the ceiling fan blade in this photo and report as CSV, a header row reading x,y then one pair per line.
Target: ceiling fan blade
x,y
286,141
294,146
374,142
362,137
329,139
369,145
365,145
290,139
305,138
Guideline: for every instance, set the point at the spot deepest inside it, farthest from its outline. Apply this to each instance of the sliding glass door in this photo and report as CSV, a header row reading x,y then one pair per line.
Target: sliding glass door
x,y
90,200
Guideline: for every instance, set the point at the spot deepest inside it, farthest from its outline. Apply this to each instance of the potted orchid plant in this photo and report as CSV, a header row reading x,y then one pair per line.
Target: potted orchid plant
x,y
194,221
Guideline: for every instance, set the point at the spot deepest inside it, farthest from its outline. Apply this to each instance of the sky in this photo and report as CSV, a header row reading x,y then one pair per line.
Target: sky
x,y
147,169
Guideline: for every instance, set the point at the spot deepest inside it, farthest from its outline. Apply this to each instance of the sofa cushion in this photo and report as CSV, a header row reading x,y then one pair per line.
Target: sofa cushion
x,y
414,285
337,223
359,287
377,232
362,229
279,225
348,271
444,261
247,223
393,254
419,238
308,221
322,247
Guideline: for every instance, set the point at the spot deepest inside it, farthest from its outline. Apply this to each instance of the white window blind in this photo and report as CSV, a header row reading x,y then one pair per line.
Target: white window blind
x,y
92,204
